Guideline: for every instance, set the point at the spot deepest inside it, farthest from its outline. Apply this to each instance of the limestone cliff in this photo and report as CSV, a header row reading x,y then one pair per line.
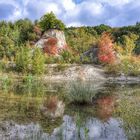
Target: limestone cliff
x,y
52,42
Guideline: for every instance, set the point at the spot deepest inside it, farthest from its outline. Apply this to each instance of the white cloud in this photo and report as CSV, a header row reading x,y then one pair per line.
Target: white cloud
x,y
67,4
77,24
88,12
116,2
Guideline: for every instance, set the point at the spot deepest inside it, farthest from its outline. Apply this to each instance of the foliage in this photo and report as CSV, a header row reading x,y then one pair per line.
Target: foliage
x,y
124,40
49,21
102,28
8,40
50,59
106,52
69,57
129,65
2,66
129,43
80,39
30,61
65,57
26,30
23,60
128,109
38,62
5,82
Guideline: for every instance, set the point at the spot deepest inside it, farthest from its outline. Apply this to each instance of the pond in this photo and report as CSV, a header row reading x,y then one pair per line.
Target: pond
x,y
70,111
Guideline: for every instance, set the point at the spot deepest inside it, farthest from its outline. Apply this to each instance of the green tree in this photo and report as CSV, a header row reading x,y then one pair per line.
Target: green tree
x,y
129,43
38,62
26,30
102,28
50,21
23,60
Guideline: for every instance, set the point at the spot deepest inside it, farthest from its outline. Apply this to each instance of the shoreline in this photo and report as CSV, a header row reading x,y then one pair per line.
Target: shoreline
x,y
73,72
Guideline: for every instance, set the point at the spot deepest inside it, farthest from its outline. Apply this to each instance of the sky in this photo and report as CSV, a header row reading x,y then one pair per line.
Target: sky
x,y
74,12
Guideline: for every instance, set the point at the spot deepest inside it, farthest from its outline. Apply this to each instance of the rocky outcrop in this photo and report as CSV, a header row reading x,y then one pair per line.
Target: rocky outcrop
x,y
52,42
85,72
76,72
92,53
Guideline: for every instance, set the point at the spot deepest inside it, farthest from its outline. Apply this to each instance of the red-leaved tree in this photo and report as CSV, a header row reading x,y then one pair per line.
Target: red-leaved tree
x,y
106,49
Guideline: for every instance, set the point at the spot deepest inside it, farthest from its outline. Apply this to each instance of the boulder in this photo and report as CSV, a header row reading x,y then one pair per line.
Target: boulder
x,y
92,53
52,42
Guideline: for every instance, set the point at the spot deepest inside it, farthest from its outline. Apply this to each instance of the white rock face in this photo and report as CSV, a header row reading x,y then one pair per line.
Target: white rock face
x,y
53,33
59,35
78,72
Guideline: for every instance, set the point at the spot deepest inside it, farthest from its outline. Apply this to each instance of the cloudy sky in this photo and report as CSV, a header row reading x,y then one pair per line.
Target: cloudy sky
x,y
74,12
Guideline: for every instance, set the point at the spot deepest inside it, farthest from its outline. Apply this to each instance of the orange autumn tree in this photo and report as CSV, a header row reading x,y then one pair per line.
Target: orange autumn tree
x,y
106,53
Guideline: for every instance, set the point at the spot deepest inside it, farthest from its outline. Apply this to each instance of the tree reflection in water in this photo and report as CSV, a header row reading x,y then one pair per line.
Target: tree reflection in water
x,y
111,116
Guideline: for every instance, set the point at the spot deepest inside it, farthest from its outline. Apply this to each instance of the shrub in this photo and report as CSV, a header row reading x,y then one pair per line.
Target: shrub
x,y
38,62
2,66
51,59
130,65
129,44
5,82
67,56
79,39
23,60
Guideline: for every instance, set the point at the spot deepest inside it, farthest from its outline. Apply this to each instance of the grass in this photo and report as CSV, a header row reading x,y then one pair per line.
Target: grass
x,y
5,83
129,65
81,93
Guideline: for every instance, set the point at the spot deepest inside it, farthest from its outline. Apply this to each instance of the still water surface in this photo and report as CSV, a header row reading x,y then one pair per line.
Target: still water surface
x,y
48,112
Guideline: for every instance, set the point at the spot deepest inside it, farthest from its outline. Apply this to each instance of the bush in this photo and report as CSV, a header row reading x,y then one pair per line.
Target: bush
x,y
38,62
79,40
5,82
2,66
129,44
23,60
130,65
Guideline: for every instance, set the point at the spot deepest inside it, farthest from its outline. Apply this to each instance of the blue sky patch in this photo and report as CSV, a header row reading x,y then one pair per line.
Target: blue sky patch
x,y
74,12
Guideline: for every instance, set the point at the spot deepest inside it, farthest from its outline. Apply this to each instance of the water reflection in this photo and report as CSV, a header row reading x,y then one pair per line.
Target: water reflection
x,y
52,107
106,106
113,113
68,130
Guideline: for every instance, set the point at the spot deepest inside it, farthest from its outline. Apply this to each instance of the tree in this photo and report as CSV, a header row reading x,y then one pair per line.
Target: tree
x,y
38,62
106,49
102,28
50,21
23,60
26,29
129,43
